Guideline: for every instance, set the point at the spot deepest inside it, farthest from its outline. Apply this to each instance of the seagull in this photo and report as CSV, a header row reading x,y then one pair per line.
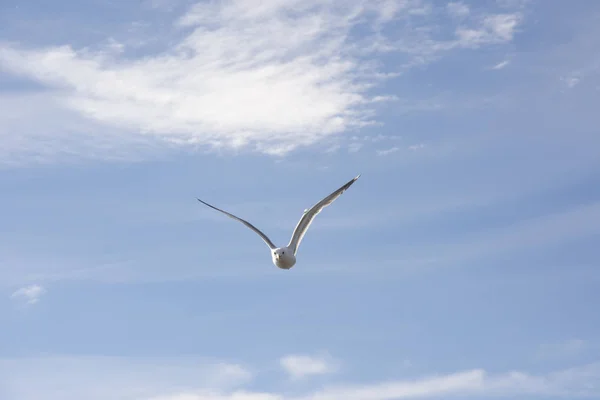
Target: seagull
x,y
285,257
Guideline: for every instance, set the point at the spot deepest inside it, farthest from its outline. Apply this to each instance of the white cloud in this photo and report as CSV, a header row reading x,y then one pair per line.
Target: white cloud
x,y
269,77
380,138
386,152
501,64
512,3
299,366
354,147
576,382
100,378
30,294
458,9
416,147
572,81
492,29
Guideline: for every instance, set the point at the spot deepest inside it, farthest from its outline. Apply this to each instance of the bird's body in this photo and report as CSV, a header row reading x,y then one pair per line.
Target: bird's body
x,y
285,257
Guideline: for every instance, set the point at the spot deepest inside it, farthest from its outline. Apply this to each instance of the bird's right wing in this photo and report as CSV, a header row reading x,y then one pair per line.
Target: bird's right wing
x,y
248,224
309,215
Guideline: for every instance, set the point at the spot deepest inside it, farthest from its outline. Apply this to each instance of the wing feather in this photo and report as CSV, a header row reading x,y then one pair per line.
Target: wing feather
x,y
248,224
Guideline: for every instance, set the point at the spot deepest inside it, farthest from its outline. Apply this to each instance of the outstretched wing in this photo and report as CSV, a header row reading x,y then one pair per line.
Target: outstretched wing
x,y
309,215
248,224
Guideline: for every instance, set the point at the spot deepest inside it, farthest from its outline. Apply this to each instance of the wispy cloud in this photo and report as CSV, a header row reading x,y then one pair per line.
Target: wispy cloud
x,y
576,76
415,147
576,382
30,294
474,383
490,30
386,152
101,378
458,9
70,378
354,147
270,78
501,64
300,366
530,233
572,81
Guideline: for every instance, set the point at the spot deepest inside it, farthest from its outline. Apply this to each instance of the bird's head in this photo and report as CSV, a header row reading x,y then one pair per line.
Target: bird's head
x,y
281,253
284,258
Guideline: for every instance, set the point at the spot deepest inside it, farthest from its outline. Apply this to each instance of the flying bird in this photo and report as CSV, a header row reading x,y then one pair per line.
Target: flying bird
x,y
285,257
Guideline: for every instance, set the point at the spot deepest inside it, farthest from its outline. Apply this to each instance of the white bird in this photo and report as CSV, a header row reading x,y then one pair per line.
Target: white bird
x,y
285,257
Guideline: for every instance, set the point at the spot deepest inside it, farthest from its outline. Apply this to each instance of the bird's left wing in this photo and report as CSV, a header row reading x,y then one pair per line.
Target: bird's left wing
x,y
248,224
310,214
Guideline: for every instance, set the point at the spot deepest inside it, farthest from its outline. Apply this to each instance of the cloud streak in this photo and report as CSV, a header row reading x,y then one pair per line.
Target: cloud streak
x,y
501,65
68,378
389,151
575,382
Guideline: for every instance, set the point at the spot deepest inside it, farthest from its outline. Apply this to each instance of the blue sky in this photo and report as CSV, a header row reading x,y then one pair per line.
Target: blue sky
x,y
462,264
